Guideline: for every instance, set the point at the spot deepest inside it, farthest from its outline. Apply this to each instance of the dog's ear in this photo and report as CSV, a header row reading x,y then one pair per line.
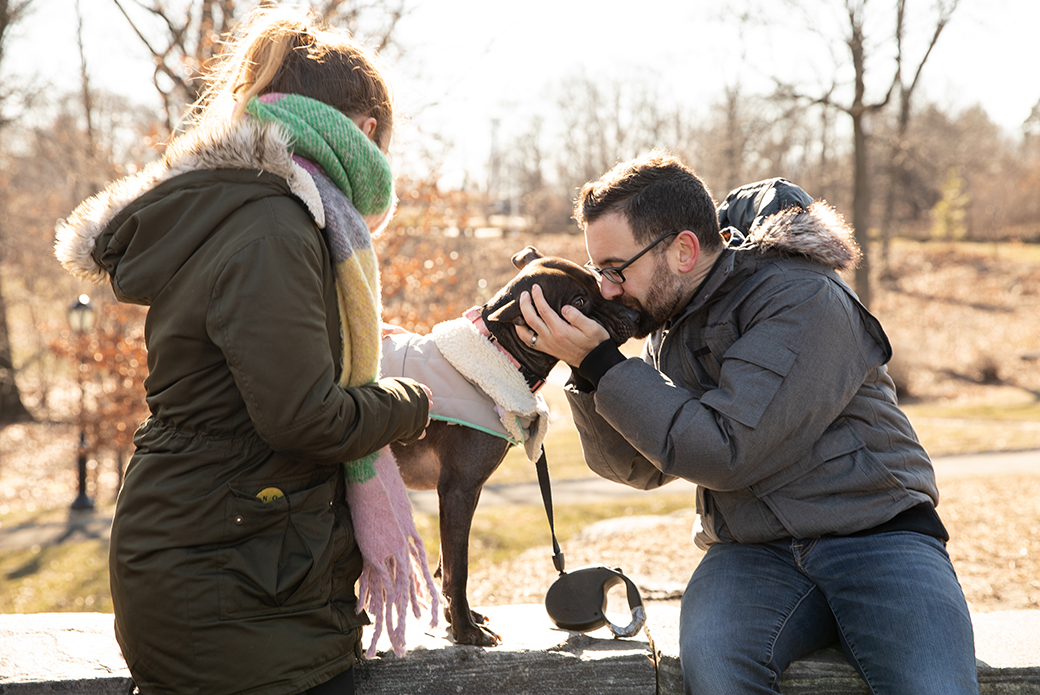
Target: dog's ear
x,y
508,313
522,258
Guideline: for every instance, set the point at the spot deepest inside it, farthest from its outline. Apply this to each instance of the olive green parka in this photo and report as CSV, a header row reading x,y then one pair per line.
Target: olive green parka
x,y
233,559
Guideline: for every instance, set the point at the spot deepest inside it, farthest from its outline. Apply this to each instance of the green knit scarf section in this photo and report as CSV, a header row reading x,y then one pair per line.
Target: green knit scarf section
x,y
359,169
325,136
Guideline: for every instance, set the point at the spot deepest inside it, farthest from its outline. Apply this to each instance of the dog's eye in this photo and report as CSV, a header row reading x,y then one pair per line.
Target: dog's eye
x,y
579,302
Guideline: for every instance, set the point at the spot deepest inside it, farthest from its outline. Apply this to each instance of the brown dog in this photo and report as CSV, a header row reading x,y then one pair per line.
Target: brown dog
x,y
457,460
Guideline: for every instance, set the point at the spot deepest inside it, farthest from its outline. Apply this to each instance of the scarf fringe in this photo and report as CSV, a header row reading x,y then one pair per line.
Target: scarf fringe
x,y
395,576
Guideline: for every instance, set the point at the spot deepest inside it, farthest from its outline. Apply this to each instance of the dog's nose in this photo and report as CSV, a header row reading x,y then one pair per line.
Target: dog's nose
x,y
632,314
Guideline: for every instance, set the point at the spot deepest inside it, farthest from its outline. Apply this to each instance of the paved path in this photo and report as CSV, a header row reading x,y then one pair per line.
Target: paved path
x,y
96,525
594,489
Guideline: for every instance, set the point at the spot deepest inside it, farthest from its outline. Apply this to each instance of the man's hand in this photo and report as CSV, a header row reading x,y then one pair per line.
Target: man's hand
x,y
569,337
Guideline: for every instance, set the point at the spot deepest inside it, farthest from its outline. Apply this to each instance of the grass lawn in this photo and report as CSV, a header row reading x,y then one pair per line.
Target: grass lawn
x,y
71,576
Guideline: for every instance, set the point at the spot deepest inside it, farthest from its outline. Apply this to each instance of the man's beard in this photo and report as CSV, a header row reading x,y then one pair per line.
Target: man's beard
x,y
663,301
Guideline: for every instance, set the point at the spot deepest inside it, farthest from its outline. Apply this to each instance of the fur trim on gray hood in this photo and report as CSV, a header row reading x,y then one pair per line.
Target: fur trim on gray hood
x,y
818,233
245,144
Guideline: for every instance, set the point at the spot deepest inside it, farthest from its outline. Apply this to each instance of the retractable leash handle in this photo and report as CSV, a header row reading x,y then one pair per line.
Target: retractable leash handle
x,y
578,600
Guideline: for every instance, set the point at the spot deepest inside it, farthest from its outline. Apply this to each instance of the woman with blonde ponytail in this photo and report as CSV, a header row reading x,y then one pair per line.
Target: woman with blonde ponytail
x,y
261,493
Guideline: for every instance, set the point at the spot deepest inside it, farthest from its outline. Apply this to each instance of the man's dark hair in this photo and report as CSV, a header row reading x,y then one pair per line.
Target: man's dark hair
x,y
656,194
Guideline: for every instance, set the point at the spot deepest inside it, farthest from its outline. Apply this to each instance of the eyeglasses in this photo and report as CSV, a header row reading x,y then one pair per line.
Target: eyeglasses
x,y
614,274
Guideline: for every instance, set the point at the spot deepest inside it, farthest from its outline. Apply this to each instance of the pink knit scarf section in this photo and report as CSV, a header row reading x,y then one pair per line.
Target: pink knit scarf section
x,y
395,574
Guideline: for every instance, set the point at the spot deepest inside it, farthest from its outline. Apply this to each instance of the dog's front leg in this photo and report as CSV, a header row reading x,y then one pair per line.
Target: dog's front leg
x,y
457,505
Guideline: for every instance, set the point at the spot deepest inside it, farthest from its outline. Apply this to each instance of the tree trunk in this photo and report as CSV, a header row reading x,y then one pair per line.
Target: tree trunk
x,y
12,409
861,207
897,182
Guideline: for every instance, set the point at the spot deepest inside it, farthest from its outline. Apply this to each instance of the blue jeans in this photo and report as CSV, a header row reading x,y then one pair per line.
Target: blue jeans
x,y
891,600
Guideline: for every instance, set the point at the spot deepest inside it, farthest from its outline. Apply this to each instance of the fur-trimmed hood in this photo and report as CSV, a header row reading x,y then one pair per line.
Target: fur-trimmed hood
x,y
817,232
241,145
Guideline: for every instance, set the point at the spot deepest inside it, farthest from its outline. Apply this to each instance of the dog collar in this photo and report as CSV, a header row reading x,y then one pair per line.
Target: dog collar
x,y
476,316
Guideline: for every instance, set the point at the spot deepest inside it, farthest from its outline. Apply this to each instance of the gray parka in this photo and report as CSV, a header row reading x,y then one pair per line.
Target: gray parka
x,y
770,392
220,585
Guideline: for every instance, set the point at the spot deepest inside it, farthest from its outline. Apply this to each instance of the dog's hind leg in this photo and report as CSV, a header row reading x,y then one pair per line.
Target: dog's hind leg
x,y
469,457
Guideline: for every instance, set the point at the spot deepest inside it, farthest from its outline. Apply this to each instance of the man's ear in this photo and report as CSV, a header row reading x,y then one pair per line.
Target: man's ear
x,y
689,247
522,258
508,313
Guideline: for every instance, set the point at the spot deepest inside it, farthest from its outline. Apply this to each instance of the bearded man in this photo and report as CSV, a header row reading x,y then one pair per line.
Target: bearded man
x,y
763,381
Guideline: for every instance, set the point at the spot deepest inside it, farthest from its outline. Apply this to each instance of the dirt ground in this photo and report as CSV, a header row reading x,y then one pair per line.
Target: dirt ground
x,y
994,525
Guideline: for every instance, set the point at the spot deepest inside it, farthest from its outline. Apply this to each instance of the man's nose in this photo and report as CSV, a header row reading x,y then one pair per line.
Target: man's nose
x,y
609,289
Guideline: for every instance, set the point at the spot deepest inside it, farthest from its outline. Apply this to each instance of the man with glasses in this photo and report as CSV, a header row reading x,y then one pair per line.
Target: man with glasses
x,y
763,381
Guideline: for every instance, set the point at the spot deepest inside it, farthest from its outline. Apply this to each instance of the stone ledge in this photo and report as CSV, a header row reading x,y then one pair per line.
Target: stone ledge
x,y
1007,651
43,653
76,653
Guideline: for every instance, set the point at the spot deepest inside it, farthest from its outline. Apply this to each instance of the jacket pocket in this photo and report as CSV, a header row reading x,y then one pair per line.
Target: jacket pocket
x,y
752,372
841,487
839,441
278,555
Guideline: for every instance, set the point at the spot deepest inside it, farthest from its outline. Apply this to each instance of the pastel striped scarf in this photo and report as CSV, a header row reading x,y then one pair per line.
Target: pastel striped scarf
x,y
355,183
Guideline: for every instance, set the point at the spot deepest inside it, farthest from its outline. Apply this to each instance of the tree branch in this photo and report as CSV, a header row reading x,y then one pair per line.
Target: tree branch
x,y
946,11
144,40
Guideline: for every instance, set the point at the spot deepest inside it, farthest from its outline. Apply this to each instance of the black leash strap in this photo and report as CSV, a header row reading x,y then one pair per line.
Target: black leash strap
x,y
542,466
578,600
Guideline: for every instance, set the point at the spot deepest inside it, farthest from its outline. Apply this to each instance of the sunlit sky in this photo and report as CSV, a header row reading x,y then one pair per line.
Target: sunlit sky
x,y
470,61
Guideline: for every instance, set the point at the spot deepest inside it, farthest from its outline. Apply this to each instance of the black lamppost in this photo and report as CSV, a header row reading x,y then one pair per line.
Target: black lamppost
x,y
81,321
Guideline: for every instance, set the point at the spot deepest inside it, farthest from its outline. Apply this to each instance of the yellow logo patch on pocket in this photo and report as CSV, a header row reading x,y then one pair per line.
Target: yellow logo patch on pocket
x,y
268,494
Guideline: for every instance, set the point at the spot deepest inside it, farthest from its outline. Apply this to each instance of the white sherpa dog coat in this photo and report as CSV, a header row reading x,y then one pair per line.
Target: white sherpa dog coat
x,y
472,381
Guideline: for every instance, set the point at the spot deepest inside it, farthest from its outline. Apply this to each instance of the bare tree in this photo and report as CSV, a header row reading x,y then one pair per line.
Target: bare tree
x,y
11,407
12,12
52,156
181,40
591,138
735,137
898,172
859,108
603,122
1031,126
545,206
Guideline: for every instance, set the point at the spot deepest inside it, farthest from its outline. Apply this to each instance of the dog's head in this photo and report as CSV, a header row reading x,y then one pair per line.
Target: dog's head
x,y
562,283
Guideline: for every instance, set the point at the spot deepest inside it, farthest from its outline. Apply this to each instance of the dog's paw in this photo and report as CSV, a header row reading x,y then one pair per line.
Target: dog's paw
x,y
477,635
473,630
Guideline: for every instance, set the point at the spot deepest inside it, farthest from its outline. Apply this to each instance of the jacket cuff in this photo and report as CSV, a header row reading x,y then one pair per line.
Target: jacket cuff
x,y
580,383
597,363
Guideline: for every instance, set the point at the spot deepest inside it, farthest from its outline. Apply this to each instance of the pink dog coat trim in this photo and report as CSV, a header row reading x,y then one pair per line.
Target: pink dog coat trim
x,y
473,315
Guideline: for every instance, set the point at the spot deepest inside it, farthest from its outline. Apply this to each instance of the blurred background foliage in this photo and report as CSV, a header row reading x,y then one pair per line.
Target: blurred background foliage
x,y
943,200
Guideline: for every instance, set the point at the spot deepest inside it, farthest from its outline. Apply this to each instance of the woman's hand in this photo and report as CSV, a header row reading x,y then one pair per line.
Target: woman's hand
x,y
386,329
429,397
